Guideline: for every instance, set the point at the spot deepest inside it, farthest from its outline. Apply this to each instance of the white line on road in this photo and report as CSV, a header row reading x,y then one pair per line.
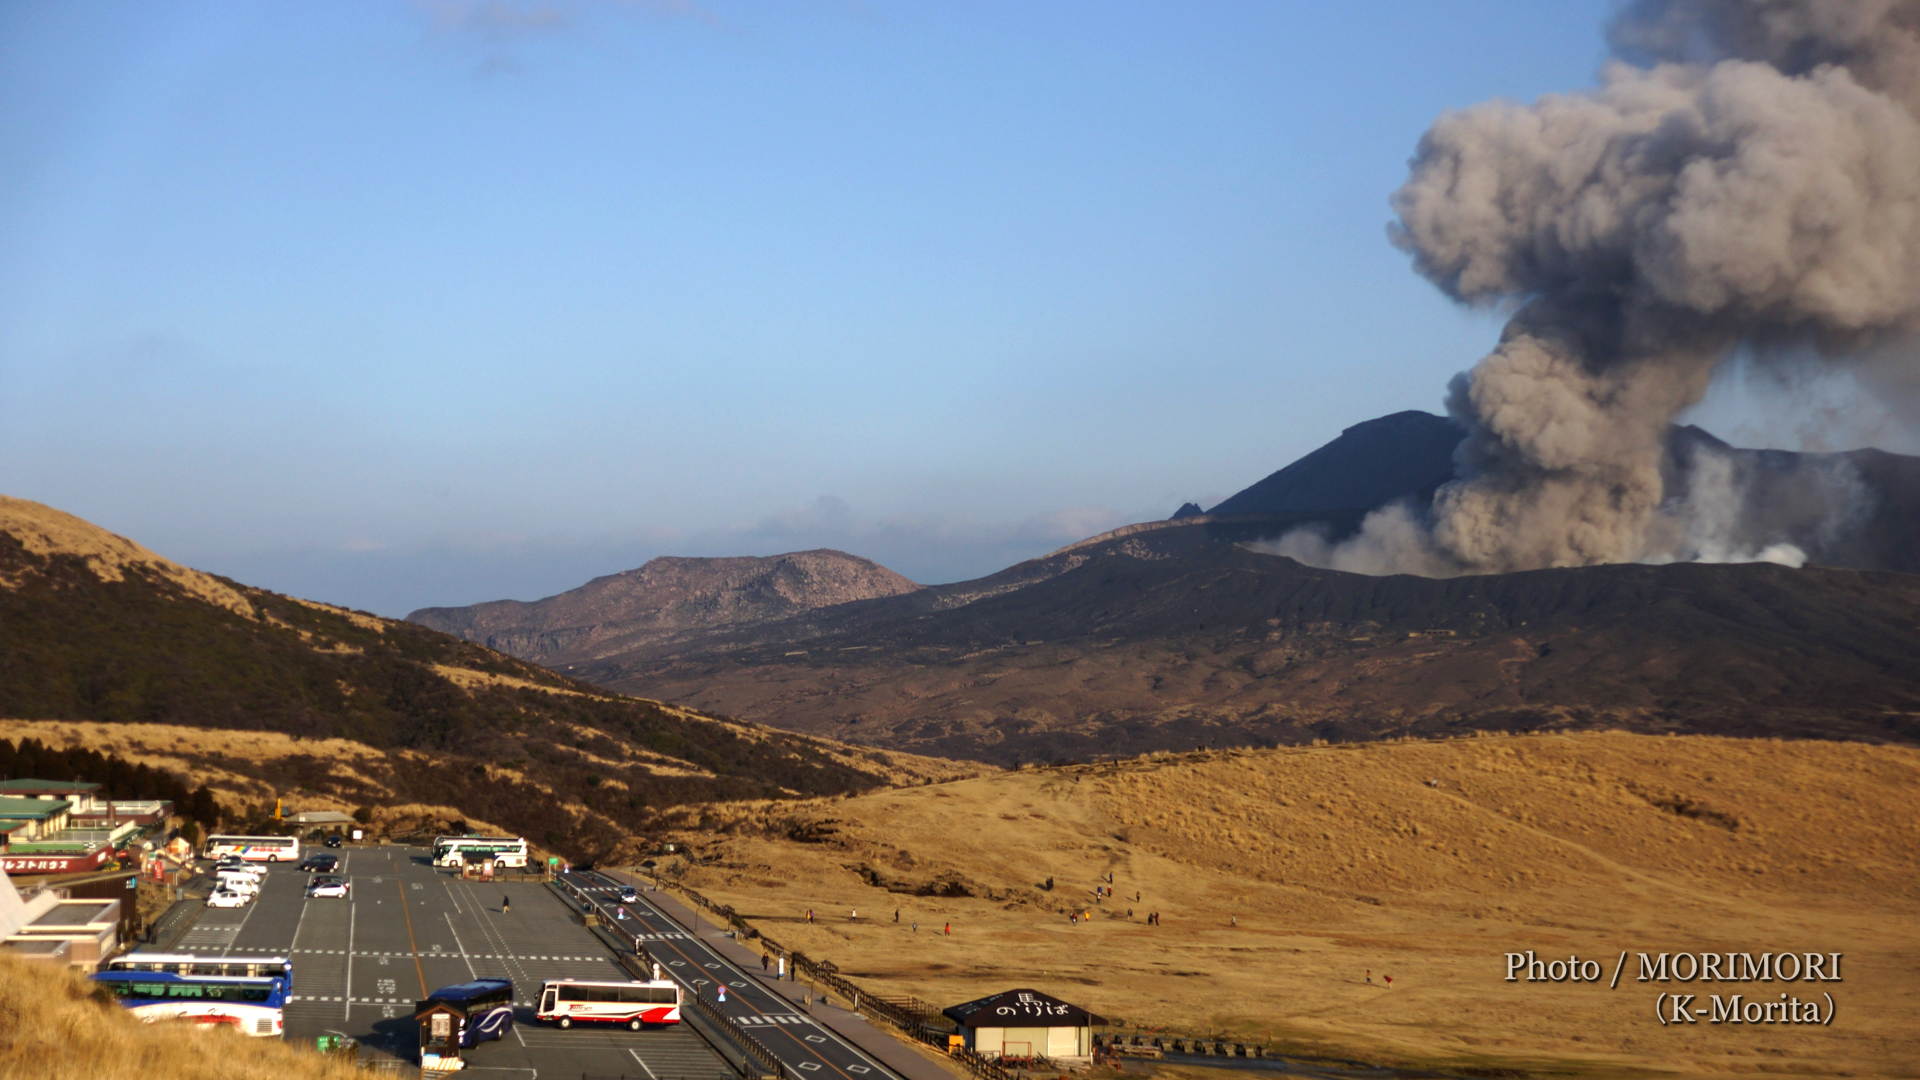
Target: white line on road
x,y
346,1013
643,1064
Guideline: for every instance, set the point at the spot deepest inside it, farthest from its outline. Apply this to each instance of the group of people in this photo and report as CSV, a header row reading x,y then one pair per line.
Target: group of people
x,y
853,915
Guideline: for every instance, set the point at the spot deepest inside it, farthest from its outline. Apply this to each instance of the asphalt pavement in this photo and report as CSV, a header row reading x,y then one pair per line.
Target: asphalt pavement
x,y
361,962
809,1037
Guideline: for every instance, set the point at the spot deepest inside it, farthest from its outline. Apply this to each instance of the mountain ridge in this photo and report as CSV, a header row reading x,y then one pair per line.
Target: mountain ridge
x,y
96,628
665,597
1170,639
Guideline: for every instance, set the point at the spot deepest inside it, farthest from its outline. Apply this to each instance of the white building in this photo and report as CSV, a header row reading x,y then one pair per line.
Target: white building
x,y
1025,1024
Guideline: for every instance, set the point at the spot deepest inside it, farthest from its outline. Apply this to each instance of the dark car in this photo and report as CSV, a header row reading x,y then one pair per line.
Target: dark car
x,y
334,840
628,895
320,864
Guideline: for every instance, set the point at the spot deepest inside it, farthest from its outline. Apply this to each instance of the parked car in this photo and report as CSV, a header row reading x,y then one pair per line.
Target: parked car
x,y
320,864
334,840
225,898
329,886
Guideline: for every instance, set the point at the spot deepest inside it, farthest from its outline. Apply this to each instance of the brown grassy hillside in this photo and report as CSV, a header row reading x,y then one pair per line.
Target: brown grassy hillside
x,y
52,1028
106,644
1426,861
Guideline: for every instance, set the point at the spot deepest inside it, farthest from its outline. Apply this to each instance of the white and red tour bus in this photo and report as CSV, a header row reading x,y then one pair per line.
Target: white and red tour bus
x,y
567,1002
255,848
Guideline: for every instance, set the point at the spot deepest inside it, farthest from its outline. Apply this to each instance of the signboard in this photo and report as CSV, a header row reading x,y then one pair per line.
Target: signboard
x,y
53,864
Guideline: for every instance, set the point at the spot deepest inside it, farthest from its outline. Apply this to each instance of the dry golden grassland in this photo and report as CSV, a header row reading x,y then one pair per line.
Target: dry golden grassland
x,y
190,752
1424,861
53,1028
44,530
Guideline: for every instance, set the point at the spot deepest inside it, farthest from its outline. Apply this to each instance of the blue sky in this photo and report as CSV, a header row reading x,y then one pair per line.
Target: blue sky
x,y
395,304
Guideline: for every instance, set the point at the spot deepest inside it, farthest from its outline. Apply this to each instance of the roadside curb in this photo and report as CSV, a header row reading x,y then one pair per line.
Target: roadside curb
x,y
887,1049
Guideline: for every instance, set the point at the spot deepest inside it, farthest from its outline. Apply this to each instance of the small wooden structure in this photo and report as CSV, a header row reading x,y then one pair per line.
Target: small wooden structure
x,y
1025,1025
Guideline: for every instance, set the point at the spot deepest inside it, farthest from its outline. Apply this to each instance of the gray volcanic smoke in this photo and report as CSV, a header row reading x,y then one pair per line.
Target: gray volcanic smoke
x,y
1745,179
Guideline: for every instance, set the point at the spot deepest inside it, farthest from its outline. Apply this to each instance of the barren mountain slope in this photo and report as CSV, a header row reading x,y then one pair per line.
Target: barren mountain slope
x,y
1169,639
1425,861
623,611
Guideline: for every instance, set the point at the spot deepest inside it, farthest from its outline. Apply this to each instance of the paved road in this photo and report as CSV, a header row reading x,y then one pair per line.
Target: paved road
x,y
804,1047
360,964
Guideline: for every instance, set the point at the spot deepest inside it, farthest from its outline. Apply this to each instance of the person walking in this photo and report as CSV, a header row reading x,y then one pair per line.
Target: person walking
x,y
723,993
949,930
765,960
506,904
896,914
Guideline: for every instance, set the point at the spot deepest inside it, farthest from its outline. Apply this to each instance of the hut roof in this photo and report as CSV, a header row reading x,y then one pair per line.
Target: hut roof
x,y
1020,1008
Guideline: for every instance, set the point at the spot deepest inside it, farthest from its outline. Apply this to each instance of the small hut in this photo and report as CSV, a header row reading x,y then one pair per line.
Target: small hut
x,y
1025,1024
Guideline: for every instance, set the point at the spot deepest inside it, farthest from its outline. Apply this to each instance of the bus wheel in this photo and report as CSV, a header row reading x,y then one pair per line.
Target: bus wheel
x,y
565,1021
635,1024
273,858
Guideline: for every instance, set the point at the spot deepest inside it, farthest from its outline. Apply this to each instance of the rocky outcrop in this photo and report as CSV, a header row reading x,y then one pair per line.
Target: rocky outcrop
x,y
666,597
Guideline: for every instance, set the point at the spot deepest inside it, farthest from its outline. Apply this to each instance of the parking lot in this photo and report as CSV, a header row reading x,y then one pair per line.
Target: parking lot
x,y
361,962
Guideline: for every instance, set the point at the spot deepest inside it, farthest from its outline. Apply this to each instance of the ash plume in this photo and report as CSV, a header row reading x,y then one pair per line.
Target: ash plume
x,y
1744,181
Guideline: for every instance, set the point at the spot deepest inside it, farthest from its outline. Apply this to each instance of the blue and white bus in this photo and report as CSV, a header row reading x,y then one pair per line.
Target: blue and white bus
x,y
464,1014
252,1006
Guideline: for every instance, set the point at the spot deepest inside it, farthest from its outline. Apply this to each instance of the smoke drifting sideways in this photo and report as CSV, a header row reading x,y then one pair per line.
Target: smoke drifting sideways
x,y
1744,182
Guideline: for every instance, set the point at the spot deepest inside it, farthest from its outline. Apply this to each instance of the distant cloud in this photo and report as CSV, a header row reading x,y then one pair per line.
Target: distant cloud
x,y
495,16
498,25
503,19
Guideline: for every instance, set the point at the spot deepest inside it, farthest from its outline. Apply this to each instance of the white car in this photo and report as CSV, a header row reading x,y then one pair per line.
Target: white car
x,y
224,898
328,887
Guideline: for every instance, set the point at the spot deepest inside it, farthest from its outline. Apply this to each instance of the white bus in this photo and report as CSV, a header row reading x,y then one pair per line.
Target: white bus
x,y
566,1002
255,848
458,851
247,967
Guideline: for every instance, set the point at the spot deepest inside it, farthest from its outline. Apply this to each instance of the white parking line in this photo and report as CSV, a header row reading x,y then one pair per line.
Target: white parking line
x,y
353,906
